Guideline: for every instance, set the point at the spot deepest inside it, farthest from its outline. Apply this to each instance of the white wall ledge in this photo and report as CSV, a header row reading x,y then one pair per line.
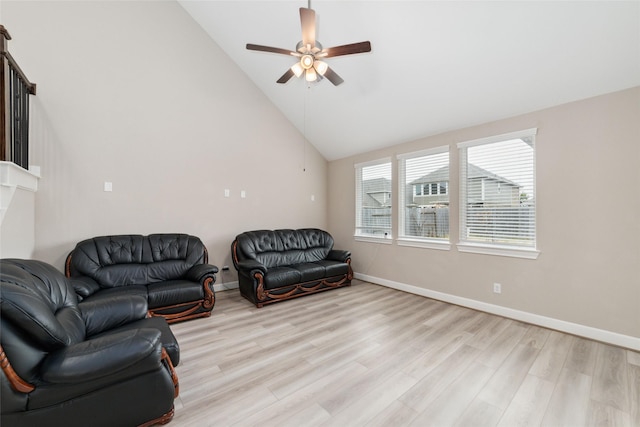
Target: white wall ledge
x,y
381,240
12,175
441,245
508,251
12,178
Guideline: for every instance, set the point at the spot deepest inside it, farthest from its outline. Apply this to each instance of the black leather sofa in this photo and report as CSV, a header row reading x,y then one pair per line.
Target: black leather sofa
x,y
170,271
65,363
275,265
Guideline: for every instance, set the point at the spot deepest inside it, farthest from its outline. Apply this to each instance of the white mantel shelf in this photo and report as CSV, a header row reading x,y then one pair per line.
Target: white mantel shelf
x,y
12,178
12,175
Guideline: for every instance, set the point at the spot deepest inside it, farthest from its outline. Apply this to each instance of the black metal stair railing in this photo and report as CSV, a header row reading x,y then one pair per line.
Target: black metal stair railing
x,y
15,89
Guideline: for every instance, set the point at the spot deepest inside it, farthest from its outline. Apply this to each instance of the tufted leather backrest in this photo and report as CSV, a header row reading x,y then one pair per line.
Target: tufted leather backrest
x,y
38,299
123,260
274,248
39,311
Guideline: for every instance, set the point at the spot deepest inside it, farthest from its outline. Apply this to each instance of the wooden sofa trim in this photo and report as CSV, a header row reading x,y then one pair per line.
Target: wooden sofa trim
x,y
17,383
164,419
174,376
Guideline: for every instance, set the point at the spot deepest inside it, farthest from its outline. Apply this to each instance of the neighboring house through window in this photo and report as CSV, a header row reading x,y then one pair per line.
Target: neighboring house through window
x,y
373,200
423,210
497,195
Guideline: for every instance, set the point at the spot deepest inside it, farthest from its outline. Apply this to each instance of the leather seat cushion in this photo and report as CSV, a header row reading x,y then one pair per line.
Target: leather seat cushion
x,y
170,292
311,271
169,341
282,276
334,268
140,290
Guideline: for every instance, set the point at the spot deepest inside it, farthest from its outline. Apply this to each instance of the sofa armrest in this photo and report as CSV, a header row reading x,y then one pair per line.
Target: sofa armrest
x,y
84,286
250,265
126,354
339,255
108,313
198,272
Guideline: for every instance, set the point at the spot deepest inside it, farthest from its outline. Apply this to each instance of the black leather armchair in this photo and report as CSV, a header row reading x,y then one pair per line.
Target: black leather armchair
x,y
71,364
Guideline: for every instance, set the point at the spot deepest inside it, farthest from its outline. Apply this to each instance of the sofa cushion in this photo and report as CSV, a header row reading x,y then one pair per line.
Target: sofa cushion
x,y
139,290
334,268
169,341
310,271
281,276
170,292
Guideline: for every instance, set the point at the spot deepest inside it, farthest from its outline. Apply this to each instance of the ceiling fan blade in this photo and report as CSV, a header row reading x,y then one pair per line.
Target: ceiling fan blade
x,y
346,49
286,76
271,49
308,22
333,77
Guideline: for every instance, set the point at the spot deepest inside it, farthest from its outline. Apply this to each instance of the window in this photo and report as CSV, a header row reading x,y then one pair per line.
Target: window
x,y
423,198
373,200
497,195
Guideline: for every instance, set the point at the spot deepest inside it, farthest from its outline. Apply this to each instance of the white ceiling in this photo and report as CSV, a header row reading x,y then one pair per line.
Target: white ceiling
x,y
434,66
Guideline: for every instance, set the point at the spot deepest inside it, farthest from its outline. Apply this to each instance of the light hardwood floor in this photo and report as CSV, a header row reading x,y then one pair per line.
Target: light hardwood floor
x,y
367,355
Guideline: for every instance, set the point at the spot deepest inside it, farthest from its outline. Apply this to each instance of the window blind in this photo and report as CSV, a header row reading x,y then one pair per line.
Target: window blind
x,y
373,199
497,190
423,194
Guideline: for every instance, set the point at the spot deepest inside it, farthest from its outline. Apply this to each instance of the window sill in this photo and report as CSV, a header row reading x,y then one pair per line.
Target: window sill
x,y
442,245
383,240
506,251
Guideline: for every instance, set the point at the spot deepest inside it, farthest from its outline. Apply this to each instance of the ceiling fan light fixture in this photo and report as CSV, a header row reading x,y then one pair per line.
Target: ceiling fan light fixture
x,y
306,61
321,67
310,75
297,69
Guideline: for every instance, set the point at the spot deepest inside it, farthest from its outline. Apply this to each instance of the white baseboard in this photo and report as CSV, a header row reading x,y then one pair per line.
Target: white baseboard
x,y
608,337
218,287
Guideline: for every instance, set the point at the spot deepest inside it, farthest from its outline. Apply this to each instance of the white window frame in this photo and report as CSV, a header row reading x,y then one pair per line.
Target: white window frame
x,y
528,252
388,237
416,241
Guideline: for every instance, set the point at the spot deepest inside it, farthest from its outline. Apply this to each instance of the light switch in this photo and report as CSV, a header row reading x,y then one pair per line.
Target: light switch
x,y
313,198
226,192
243,194
108,186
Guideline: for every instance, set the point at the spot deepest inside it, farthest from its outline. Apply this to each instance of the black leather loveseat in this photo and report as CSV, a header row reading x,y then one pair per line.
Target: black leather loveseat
x,y
169,270
64,363
275,265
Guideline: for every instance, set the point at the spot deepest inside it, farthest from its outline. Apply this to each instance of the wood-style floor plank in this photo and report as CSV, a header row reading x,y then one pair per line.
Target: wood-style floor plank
x,y
371,356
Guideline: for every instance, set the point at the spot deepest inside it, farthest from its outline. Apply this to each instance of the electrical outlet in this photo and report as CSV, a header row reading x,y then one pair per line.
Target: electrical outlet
x,y
497,288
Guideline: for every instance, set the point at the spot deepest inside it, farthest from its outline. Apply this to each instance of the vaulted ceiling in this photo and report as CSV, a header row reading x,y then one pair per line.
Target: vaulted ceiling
x,y
434,66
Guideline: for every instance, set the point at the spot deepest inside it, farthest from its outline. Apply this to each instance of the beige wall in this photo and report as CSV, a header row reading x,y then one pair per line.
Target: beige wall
x,y
588,180
17,229
136,94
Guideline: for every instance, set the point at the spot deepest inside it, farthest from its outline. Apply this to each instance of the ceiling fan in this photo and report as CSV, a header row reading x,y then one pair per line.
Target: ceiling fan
x,y
311,53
